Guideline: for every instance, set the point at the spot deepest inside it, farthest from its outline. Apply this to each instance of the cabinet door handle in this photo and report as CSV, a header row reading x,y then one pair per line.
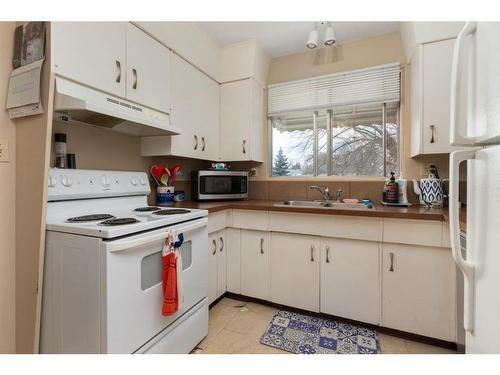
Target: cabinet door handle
x,y
215,247
262,246
222,244
432,133
327,254
195,142
203,141
118,71
244,144
391,257
134,74
312,253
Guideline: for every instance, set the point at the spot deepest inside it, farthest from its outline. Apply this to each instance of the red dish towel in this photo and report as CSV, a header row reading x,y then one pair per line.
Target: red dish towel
x,y
170,292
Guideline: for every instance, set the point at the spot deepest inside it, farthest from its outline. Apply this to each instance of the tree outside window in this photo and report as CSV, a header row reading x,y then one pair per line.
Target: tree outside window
x,y
356,141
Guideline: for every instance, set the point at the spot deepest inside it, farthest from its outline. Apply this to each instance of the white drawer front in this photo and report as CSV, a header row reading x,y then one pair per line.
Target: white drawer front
x,y
355,227
216,221
413,232
250,219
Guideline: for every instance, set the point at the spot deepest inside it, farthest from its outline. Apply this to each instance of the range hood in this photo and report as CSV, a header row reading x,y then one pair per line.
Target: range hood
x,y
78,103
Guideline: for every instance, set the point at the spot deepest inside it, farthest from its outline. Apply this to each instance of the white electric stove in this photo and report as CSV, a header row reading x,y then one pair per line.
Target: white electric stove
x,y
102,289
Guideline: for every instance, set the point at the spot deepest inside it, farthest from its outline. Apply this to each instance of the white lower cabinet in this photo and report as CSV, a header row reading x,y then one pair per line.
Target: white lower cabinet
x,y
212,267
418,286
295,261
255,263
406,287
221,263
216,265
233,261
350,283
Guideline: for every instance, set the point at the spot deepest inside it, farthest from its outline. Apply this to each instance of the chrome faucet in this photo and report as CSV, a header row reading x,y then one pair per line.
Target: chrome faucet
x,y
325,193
338,196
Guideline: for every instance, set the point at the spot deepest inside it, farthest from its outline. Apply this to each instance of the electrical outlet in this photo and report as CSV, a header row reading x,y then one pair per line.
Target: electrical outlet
x,y
4,150
253,172
425,168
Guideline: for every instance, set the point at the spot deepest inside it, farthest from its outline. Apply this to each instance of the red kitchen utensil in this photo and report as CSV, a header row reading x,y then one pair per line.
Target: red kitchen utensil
x,y
173,173
157,171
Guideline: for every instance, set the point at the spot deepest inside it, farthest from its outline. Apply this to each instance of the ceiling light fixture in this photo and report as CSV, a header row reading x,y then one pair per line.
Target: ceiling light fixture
x,y
329,40
329,35
312,41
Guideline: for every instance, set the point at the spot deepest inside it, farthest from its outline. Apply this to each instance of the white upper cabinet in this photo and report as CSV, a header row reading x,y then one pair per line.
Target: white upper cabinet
x,y
242,121
91,53
195,110
430,98
114,57
148,70
415,33
244,60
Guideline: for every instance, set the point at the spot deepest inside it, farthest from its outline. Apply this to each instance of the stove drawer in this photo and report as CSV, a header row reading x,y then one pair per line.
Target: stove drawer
x,y
183,335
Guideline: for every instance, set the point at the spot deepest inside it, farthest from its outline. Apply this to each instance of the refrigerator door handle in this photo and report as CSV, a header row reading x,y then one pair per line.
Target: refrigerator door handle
x,y
457,139
465,266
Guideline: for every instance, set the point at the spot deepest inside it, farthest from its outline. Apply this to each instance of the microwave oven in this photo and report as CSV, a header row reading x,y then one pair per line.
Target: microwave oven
x,y
219,184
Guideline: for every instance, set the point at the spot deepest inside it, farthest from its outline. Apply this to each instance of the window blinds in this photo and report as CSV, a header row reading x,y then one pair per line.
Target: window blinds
x,y
377,84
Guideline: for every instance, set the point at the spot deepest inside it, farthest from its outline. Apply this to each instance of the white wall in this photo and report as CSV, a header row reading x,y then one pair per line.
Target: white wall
x,y
7,201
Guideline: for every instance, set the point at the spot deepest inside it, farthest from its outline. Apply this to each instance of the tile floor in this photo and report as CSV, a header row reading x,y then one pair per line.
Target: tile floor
x,y
236,327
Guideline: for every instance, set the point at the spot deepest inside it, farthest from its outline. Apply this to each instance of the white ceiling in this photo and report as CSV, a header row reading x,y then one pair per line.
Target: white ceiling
x,y
286,38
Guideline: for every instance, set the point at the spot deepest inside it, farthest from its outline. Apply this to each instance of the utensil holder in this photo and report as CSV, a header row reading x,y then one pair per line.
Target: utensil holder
x,y
164,195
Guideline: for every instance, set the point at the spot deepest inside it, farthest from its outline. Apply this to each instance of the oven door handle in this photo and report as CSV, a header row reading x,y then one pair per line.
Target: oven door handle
x,y
133,243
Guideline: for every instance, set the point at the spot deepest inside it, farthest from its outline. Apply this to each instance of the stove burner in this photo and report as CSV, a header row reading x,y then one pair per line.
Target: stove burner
x,y
93,217
147,209
171,212
119,221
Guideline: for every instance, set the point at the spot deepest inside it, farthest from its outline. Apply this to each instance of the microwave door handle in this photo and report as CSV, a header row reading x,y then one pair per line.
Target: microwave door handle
x,y
134,243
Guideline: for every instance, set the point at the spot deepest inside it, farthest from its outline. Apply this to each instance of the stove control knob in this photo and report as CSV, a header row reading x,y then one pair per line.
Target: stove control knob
x,y
105,181
66,181
52,181
143,181
134,181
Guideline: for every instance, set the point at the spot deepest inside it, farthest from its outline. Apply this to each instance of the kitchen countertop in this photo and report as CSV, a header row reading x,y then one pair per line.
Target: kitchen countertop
x,y
414,212
462,218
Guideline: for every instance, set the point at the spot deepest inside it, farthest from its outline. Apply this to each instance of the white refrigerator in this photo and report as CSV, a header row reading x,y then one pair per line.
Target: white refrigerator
x,y
475,122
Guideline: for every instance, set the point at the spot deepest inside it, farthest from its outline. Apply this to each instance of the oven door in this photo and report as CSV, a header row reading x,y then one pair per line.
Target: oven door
x,y
132,289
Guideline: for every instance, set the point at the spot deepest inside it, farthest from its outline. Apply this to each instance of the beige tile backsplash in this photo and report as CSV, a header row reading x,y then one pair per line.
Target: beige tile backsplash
x,y
299,190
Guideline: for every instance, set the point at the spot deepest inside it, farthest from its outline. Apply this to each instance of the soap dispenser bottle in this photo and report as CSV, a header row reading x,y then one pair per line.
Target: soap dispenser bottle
x,y
391,190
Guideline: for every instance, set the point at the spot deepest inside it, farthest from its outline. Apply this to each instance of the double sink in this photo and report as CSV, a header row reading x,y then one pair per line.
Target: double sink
x,y
325,205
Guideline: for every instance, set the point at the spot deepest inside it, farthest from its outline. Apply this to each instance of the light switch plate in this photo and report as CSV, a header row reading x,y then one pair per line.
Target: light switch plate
x,y
4,150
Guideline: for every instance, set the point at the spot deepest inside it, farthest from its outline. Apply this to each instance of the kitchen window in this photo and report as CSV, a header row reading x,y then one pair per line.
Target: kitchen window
x,y
344,124
350,141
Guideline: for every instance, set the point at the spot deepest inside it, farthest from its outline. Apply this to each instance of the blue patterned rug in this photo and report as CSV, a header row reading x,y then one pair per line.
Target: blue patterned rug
x,y
302,334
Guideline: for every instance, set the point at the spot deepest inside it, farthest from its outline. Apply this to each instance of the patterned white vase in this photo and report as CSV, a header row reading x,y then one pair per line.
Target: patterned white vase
x,y
429,190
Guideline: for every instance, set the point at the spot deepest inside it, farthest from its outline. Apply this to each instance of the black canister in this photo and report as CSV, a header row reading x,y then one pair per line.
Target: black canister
x,y
60,150
71,161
